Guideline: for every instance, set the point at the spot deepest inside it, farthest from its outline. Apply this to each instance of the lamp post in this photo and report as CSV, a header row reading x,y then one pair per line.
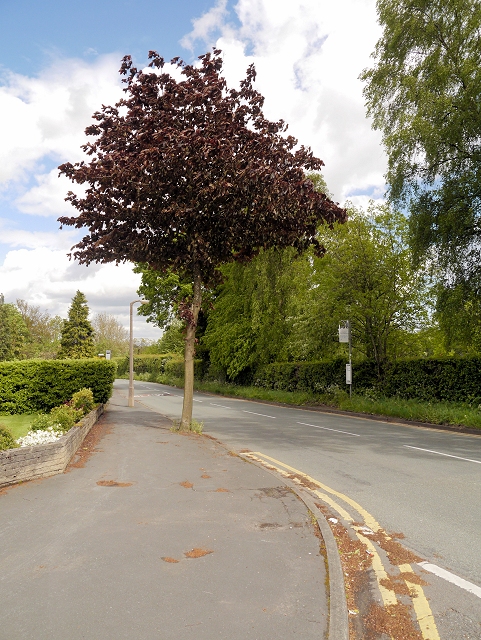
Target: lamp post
x,y
131,357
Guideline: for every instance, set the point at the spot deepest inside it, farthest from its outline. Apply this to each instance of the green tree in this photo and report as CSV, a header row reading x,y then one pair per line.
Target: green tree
x,y
110,334
283,308
173,338
369,279
44,331
77,332
250,320
423,93
13,332
423,90
186,175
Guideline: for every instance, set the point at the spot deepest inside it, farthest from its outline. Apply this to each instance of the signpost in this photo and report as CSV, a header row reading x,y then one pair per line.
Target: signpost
x,y
345,336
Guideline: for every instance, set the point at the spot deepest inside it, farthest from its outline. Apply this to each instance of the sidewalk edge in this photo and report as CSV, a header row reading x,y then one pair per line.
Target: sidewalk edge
x,y
338,614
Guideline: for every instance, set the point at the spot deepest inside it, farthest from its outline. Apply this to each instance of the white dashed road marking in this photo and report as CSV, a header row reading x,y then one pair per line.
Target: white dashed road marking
x,y
448,455
451,577
327,429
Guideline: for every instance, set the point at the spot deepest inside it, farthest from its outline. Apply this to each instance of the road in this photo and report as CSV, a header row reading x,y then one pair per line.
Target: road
x,y
425,483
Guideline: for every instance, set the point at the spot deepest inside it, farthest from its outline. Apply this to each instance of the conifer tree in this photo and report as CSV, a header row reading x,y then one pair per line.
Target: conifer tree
x,y
77,332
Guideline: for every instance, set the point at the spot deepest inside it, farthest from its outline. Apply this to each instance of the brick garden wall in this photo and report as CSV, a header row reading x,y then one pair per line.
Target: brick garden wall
x,y
42,460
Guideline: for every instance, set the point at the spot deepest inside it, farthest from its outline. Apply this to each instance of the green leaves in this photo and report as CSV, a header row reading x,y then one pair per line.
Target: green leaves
x,y
38,385
424,89
77,332
13,332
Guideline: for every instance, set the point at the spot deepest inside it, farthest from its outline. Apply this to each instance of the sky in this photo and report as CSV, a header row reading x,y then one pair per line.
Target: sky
x,y
59,63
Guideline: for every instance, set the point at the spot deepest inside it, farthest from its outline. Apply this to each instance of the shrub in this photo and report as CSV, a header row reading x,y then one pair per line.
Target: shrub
x,y
84,400
428,379
29,386
42,422
6,440
65,416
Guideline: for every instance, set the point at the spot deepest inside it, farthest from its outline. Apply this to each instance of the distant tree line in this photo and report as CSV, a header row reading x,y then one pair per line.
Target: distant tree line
x,y
27,332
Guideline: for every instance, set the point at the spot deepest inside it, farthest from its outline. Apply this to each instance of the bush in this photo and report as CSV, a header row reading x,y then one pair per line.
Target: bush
x,y
6,440
29,386
428,379
65,416
314,377
450,379
84,400
149,363
169,364
41,423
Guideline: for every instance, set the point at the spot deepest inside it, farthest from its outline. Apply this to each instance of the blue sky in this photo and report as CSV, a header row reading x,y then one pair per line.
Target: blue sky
x,y
59,63
33,32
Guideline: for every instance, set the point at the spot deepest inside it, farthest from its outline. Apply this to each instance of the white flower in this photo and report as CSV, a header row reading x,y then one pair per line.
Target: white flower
x,y
50,434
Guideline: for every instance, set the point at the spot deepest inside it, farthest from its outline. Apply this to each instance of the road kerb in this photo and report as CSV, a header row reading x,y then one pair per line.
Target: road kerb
x,y
338,614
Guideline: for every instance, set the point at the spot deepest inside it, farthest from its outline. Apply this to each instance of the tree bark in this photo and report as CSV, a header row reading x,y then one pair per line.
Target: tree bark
x,y
186,419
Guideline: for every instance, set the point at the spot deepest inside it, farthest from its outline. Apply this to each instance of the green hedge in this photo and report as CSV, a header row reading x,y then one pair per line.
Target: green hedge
x,y
170,364
148,363
313,376
449,379
28,386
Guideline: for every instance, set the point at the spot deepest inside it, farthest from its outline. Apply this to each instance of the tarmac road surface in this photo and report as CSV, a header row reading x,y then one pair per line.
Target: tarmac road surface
x,y
425,483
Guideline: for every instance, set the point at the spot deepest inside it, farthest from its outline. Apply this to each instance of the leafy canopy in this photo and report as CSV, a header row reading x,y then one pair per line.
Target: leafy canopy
x,y
424,94
186,175
424,90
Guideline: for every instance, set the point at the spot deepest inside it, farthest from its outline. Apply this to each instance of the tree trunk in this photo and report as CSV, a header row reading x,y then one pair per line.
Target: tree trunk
x,y
190,352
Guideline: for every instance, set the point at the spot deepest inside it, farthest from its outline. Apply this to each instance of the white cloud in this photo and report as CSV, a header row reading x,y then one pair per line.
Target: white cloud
x,y
206,25
36,239
48,197
44,276
47,115
308,56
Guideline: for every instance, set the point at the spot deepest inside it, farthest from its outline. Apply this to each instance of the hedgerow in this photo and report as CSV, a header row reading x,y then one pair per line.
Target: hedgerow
x,y
430,379
29,386
170,364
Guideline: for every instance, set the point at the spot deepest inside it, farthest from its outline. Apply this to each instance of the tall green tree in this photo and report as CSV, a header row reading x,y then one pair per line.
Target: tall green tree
x,y
13,332
283,308
423,93
369,278
77,333
186,175
44,330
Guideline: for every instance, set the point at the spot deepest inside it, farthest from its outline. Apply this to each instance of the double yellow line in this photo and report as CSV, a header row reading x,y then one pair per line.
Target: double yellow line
x,y
421,606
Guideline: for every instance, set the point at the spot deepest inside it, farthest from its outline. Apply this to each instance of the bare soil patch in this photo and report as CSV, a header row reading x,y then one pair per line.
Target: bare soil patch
x,y
100,429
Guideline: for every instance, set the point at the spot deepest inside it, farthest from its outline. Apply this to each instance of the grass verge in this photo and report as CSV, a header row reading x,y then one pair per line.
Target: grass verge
x,y
18,425
442,413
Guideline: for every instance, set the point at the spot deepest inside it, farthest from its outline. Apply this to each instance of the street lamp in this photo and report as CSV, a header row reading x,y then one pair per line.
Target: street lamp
x,y
131,357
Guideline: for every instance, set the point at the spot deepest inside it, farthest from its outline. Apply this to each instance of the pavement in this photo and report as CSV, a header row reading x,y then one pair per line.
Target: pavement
x,y
158,535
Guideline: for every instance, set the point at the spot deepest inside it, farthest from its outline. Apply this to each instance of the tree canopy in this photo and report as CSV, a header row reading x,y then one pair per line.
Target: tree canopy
x,y
423,91
278,308
186,175
13,332
424,94
77,332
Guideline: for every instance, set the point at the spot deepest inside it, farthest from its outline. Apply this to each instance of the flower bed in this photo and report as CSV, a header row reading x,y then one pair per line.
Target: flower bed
x,y
42,460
